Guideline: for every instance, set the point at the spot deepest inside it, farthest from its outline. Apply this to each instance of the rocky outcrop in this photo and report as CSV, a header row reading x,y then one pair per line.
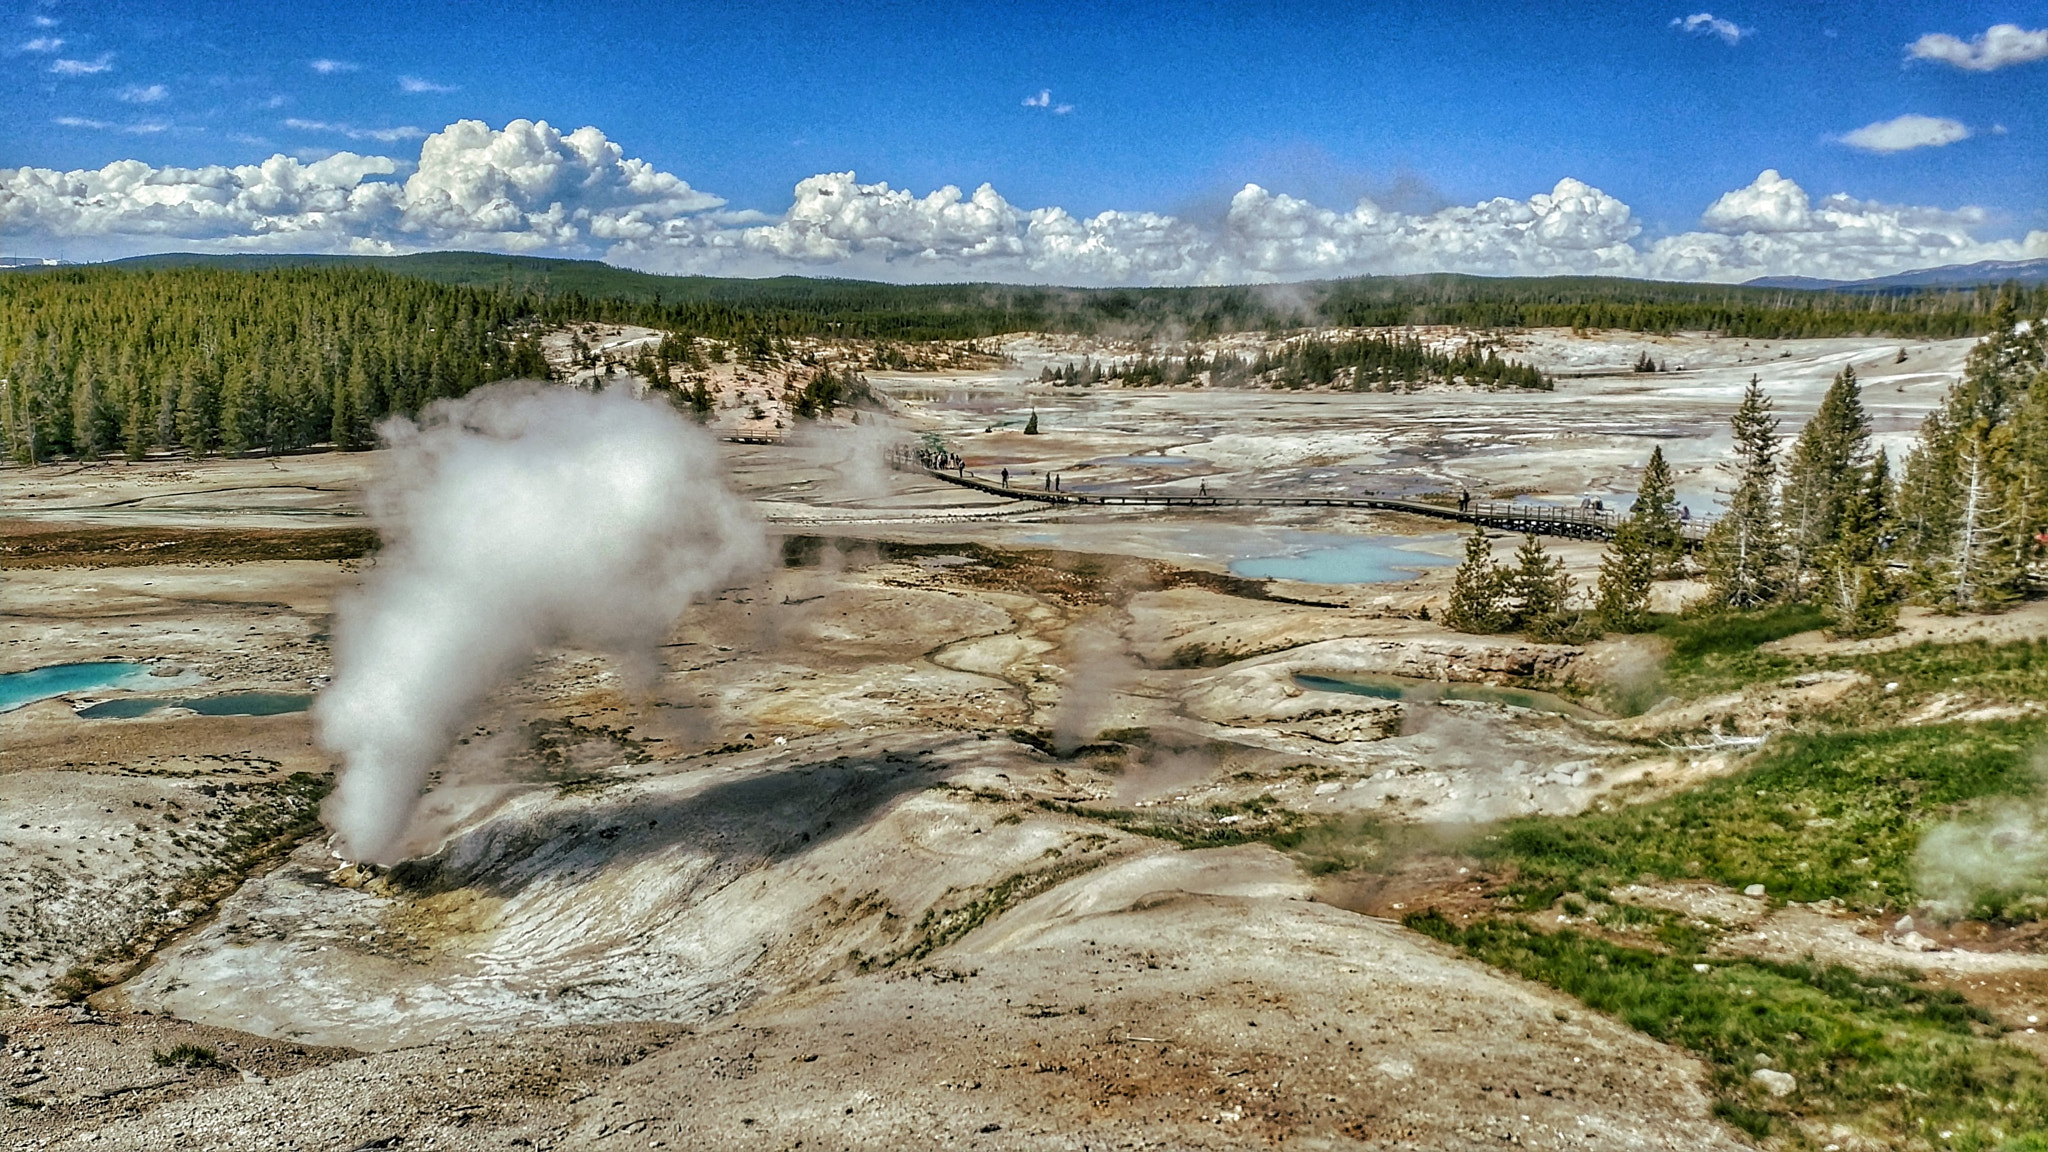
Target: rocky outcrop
x,y
1263,690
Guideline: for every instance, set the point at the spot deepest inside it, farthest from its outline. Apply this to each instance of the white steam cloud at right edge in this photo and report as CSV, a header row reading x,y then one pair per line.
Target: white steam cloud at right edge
x,y
1999,850
516,518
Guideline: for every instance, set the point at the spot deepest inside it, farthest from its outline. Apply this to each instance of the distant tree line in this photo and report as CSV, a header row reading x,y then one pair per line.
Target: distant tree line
x,y
99,362
1368,363
790,306
1598,303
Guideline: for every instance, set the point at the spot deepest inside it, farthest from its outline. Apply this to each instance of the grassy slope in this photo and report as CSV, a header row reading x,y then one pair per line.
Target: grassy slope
x,y
1832,811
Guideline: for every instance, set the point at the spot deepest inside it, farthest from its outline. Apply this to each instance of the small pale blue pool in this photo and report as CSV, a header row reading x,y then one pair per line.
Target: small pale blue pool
x,y
1339,560
19,688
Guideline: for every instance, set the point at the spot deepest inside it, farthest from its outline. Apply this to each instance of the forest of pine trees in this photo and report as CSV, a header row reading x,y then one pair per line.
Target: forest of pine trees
x,y
727,309
100,362
1369,363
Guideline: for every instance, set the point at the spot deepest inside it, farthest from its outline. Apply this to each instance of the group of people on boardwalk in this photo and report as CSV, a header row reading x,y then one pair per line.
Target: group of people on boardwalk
x,y
939,460
1052,480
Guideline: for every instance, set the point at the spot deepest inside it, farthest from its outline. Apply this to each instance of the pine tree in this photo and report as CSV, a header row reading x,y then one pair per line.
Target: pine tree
x,y
240,416
1743,549
1478,595
1979,573
198,410
1537,587
86,417
1627,571
1655,513
1856,587
135,423
1972,506
701,400
1031,425
1825,470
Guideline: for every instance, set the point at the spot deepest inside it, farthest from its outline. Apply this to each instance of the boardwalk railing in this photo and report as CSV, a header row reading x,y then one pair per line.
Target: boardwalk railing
x,y
1511,515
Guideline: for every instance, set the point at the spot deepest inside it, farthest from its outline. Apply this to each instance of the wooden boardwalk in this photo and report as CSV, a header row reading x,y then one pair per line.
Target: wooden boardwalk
x,y
1507,515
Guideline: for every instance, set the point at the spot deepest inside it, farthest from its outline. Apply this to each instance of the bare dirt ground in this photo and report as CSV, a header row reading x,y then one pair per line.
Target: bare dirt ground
x,y
841,878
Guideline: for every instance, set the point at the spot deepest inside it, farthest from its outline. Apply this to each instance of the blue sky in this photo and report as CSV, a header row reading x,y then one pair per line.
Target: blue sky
x,y
1166,109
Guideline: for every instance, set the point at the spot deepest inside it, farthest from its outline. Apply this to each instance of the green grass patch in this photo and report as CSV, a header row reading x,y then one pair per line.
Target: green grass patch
x,y
187,1056
1819,816
1717,653
1893,1059
1988,672
942,924
1713,654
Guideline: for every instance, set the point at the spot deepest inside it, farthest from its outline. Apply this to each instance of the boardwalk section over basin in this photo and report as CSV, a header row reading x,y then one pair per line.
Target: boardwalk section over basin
x,y
1507,515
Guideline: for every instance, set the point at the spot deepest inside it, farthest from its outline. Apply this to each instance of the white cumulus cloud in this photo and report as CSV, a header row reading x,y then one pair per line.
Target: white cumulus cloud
x,y
104,62
142,94
530,187
1044,100
1999,46
280,204
44,44
1907,132
1773,228
533,186
1708,24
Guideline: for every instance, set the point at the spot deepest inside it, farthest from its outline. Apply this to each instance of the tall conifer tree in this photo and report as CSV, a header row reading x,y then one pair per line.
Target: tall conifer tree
x,y
1744,550
1655,513
1825,470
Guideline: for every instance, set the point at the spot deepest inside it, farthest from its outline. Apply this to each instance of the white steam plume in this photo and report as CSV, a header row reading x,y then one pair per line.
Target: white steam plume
x,y
517,517
2000,851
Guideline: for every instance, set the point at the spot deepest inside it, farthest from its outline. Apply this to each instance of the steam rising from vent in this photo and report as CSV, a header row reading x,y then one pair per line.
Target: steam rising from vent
x,y
1098,667
1999,853
517,517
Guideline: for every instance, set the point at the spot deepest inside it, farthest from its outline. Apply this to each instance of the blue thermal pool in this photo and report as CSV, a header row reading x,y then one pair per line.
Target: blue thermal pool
x,y
19,688
228,704
1339,560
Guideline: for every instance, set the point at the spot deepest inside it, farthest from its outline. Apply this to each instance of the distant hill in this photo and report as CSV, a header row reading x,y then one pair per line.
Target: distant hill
x,y
1981,274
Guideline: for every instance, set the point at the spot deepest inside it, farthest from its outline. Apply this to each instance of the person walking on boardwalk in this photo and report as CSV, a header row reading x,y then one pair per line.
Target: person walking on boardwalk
x,y
1464,499
1006,477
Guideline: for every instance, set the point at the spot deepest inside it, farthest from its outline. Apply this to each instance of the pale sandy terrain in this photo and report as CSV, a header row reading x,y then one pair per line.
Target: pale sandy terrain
x,y
812,888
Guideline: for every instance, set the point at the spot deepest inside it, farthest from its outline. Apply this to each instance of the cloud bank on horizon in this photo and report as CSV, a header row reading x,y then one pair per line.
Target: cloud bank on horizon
x,y
531,188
